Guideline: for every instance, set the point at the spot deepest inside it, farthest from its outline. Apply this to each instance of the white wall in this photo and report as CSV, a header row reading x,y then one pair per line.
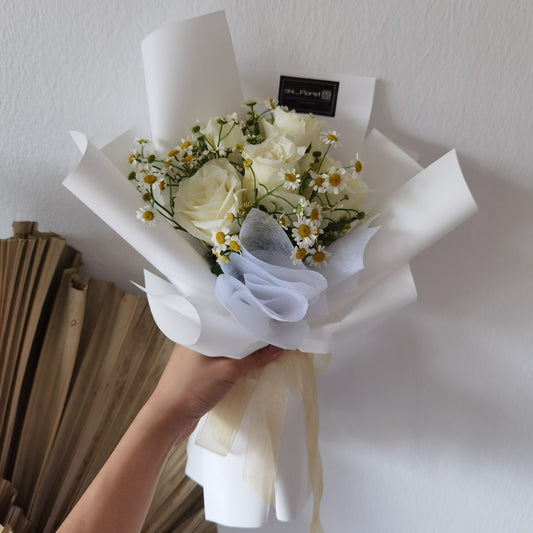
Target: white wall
x,y
426,423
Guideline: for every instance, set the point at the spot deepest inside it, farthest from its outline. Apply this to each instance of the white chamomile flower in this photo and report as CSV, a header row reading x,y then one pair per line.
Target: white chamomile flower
x,y
239,147
291,180
317,257
234,243
219,150
146,214
298,255
336,180
302,205
159,191
270,103
221,259
329,137
314,212
283,221
136,164
304,232
220,242
319,182
358,166
318,231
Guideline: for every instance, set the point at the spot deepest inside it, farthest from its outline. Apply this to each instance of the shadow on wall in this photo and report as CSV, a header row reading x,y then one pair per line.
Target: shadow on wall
x,y
451,373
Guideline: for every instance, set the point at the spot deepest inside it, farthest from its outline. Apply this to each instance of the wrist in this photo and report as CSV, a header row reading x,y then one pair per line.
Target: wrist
x,y
169,420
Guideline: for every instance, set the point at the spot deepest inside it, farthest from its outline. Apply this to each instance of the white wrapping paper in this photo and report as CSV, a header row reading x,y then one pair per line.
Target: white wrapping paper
x,y
414,208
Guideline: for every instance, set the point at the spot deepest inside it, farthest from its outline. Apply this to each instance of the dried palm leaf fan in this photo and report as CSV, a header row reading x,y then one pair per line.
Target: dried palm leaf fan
x,y
78,358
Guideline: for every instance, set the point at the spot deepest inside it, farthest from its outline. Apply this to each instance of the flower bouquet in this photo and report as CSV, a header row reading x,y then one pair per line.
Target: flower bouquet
x,y
259,221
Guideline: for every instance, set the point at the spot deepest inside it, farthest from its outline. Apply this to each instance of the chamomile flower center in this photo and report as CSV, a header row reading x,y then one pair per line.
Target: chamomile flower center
x,y
315,214
291,180
185,144
220,237
172,153
319,180
146,215
318,257
234,245
188,158
358,166
150,179
335,179
300,253
330,137
304,231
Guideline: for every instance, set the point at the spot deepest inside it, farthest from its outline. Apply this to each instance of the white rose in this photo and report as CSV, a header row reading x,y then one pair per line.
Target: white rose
x,y
302,130
271,156
205,200
230,134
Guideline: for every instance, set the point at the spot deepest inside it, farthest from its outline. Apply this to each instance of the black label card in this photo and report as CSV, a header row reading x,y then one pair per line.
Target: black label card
x,y
308,96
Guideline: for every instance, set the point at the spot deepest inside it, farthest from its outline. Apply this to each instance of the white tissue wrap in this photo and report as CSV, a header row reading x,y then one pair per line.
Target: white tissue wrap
x,y
268,295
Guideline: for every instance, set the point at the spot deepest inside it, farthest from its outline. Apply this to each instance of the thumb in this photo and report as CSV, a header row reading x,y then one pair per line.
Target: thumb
x,y
262,356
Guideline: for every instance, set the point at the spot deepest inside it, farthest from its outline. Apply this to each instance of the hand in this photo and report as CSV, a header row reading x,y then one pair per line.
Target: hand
x,y
192,384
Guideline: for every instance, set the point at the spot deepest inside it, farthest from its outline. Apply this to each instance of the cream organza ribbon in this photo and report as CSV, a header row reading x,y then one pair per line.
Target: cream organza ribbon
x,y
268,390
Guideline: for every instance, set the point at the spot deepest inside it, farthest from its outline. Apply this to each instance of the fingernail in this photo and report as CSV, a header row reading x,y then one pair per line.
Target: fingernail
x,y
273,350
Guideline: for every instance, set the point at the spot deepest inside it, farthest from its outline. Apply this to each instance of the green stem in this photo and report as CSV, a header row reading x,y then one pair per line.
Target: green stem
x,y
323,157
229,131
269,192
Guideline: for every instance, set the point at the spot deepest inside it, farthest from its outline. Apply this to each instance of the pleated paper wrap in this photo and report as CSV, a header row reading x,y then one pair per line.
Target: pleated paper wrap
x,y
414,208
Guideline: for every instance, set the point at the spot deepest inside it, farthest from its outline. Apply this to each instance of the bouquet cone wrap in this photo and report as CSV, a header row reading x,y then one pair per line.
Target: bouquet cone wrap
x,y
410,209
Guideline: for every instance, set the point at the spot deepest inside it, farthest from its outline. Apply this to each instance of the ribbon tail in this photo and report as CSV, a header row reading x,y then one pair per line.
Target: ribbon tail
x,y
222,423
266,430
305,366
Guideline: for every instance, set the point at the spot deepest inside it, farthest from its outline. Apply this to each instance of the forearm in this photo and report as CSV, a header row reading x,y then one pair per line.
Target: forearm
x,y
119,497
